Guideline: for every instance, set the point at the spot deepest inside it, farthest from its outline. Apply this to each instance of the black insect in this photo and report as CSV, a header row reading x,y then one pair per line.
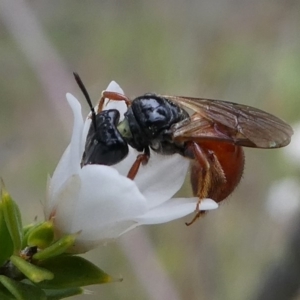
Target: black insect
x,y
211,137
104,143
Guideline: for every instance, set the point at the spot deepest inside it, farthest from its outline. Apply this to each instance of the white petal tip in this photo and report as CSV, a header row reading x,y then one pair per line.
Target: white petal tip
x,y
69,95
114,82
208,204
114,87
73,102
71,98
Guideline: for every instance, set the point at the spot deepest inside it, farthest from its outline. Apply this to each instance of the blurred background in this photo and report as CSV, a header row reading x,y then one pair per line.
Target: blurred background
x,y
237,50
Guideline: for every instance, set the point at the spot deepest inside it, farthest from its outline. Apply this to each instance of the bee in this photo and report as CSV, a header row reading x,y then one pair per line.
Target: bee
x,y
212,137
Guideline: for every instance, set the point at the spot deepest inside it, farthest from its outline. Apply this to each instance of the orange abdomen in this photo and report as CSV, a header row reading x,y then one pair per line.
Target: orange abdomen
x,y
226,163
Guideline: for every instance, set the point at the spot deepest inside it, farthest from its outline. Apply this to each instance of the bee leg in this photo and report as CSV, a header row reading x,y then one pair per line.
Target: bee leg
x,y
206,178
196,217
112,96
140,159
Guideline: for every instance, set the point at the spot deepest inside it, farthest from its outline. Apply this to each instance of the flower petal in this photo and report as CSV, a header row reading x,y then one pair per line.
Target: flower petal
x,y
86,127
96,237
66,201
98,203
174,209
106,197
160,179
119,105
114,87
70,161
75,145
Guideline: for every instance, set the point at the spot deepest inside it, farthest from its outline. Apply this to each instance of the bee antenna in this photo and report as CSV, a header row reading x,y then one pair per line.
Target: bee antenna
x,y
87,97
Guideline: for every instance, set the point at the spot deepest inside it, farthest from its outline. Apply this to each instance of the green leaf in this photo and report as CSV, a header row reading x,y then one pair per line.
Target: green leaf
x,y
59,247
6,243
62,293
42,235
28,227
26,231
5,294
12,218
5,297
22,291
72,271
32,272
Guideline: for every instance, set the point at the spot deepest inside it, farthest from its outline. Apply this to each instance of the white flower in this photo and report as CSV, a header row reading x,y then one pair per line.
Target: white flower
x,y
100,202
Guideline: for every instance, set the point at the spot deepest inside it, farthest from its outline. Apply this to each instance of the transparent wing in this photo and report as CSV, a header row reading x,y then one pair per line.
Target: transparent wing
x,y
240,124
